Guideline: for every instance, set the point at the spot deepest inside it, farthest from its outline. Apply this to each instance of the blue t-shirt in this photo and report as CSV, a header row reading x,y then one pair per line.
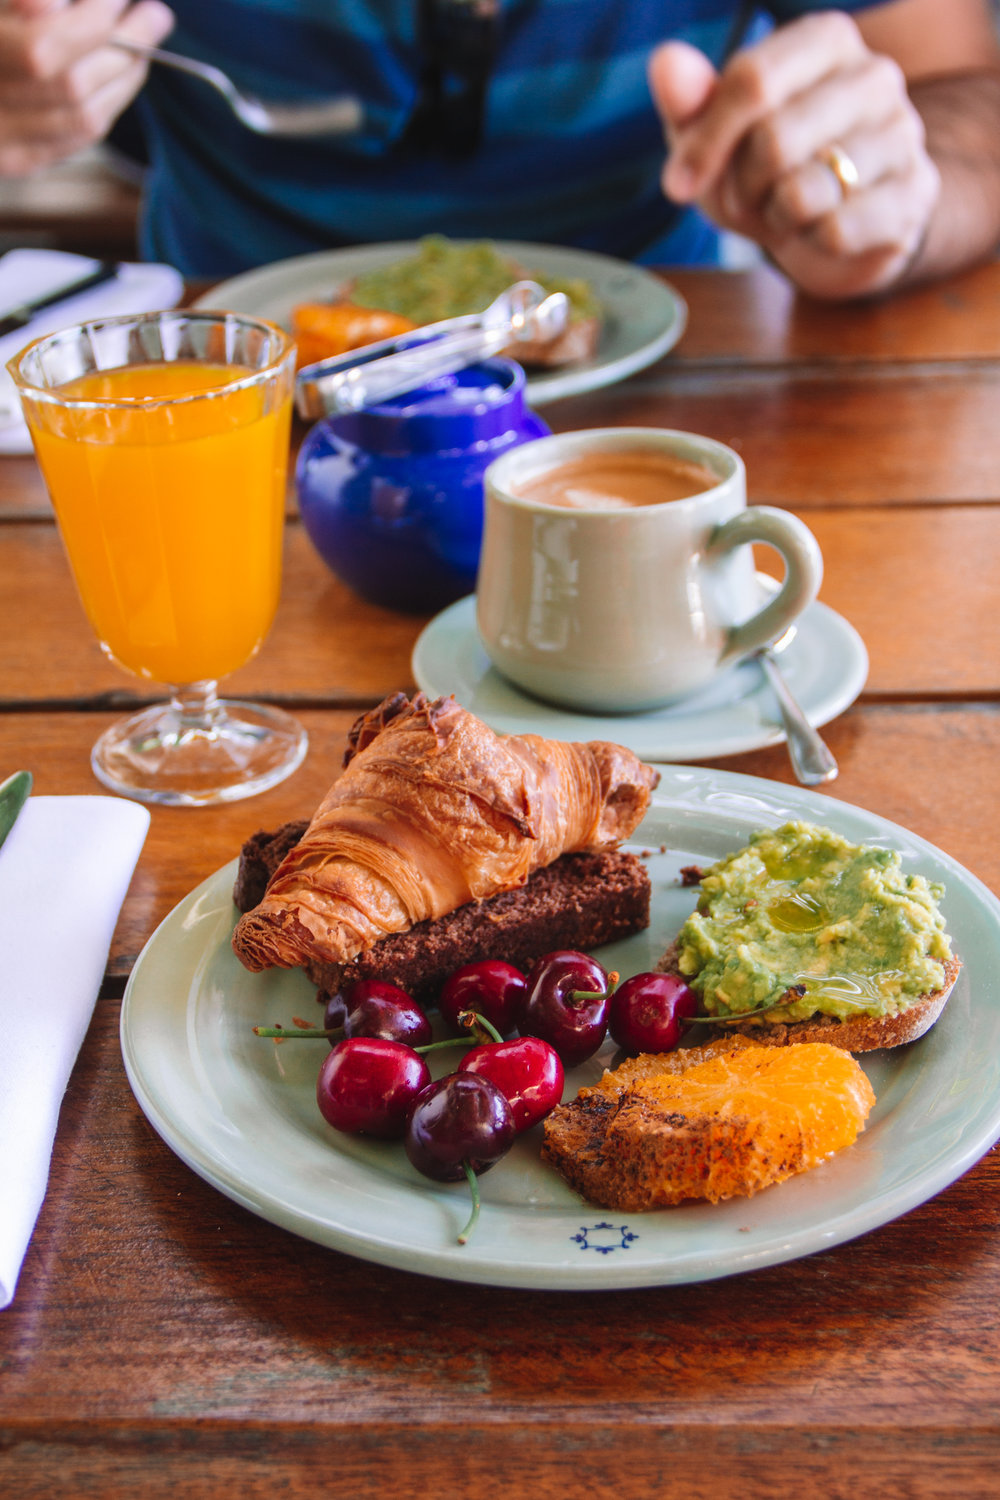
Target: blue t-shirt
x,y
570,148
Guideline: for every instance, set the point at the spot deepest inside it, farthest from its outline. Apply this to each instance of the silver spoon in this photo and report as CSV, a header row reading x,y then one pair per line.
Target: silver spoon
x,y
340,116
811,759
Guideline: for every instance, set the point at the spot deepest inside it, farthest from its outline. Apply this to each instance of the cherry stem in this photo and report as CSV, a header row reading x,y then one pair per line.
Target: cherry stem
x,y
473,1219
577,997
727,1020
294,1032
470,1018
473,1021
448,1041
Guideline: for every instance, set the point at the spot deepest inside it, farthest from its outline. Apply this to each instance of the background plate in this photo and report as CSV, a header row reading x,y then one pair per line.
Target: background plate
x,y
644,317
242,1113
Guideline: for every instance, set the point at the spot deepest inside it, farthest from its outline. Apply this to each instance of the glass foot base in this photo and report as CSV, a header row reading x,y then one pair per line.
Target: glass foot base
x,y
164,756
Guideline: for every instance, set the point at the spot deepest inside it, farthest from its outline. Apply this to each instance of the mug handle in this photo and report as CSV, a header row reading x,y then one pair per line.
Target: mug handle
x,y
803,573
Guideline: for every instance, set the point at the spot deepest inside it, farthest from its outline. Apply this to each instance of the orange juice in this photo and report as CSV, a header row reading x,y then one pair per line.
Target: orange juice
x,y
170,503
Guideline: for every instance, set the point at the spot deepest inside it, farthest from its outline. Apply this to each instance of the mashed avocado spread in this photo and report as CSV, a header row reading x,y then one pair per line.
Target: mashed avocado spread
x,y
800,909
447,280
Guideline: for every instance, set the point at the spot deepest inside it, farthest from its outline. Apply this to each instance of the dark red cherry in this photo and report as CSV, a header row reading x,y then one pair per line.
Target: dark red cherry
x,y
335,1013
647,1010
458,1121
367,1085
527,1071
490,987
377,1008
567,1004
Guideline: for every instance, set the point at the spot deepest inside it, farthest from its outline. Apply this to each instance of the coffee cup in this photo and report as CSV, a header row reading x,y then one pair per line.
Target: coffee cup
x,y
616,572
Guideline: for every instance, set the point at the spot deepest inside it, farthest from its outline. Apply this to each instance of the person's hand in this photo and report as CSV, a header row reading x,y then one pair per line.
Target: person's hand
x,y
756,146
61,88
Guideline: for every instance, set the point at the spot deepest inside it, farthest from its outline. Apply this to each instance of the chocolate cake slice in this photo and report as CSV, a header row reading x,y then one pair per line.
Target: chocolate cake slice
x,y
580,901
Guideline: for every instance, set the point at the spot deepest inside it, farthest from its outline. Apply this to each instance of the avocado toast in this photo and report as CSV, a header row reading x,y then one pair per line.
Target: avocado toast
x,y
802,936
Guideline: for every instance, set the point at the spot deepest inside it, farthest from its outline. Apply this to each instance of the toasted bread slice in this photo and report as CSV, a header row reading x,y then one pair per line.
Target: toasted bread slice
x,y
648,1065
578,341
856,1034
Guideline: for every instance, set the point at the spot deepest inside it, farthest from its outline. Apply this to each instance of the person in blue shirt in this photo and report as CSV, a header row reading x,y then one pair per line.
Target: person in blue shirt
x,y
859,147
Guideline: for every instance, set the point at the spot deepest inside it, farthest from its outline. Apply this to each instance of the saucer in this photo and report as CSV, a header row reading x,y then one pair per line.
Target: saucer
x,y
825,662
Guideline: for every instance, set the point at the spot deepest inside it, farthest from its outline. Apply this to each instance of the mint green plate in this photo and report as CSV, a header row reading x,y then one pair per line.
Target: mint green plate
x,y
643,316
242,1113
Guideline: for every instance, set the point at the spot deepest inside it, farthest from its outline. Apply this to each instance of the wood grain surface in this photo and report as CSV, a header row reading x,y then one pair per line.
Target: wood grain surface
x,y
327,645
166,1342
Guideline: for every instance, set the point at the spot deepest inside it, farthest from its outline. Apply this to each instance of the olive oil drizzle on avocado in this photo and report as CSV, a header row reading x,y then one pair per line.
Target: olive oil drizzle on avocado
x,y
797,911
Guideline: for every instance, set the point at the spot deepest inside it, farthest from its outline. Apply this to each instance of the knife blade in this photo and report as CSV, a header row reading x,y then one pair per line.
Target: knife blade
x,y
20,317
13,795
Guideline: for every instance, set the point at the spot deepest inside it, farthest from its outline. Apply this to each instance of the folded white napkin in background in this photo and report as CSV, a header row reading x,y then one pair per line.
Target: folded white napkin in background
x,y
64,871
25,274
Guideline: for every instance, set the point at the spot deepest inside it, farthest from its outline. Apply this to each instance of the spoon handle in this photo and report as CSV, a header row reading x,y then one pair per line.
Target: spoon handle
x,y
204,71
811,760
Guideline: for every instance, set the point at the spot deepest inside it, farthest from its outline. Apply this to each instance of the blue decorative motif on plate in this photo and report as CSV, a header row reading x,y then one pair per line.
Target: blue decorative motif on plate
x,y
620,1237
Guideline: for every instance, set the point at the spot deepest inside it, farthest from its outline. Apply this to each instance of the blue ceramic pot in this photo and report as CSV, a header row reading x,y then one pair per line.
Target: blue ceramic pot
x,y
392,497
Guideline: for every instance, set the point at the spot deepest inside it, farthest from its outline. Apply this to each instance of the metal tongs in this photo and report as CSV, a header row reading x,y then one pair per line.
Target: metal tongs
x,y
365,377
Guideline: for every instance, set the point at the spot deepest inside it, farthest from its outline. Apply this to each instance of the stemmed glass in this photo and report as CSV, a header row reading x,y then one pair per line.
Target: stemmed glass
x,y
163,440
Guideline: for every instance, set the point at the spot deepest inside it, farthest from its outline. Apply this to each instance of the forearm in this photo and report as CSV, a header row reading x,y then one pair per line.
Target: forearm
x,y
961,115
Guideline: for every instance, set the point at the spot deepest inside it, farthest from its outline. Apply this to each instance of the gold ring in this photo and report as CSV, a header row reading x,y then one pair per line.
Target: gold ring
x,y
842,166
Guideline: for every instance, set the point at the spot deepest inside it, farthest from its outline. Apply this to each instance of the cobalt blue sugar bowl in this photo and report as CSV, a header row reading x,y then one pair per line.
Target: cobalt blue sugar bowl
x,y
392,496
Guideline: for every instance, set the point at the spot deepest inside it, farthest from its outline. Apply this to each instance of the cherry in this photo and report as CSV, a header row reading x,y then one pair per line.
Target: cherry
x,y
646,1012
458,1119
335,1012
490,987
377,1008
367,1085
527,1071
458,1127
567,1004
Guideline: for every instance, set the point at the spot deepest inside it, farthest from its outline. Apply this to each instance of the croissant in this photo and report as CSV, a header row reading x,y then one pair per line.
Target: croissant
x,y
434,810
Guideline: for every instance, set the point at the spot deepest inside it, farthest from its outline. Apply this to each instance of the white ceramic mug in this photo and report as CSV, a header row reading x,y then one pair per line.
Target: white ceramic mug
x,y
621,610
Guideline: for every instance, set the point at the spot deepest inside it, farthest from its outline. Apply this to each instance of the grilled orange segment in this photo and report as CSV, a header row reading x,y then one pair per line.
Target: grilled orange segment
x,y
325,329
736,1122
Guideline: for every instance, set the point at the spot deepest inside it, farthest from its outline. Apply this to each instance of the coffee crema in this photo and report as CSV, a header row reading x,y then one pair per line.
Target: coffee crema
x,y
617,479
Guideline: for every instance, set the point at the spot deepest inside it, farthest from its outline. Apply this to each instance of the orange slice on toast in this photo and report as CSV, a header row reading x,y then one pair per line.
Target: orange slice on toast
x,y
727,1126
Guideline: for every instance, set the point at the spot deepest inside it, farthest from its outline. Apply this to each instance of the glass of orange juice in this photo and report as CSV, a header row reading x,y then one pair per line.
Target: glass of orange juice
x,y
163,439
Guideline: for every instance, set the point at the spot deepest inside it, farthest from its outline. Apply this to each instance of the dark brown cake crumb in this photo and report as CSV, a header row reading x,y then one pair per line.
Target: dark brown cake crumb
x,y
691,875
580,901
259,858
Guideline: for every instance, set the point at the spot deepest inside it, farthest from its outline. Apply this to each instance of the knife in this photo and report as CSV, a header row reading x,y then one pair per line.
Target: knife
x,y
20,317
13,795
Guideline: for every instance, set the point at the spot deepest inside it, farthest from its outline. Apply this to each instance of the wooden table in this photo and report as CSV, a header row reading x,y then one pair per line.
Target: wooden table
x,y
88,204
163,1341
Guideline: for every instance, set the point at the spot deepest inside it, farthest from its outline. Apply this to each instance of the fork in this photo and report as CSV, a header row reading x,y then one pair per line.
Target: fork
x,y
338,116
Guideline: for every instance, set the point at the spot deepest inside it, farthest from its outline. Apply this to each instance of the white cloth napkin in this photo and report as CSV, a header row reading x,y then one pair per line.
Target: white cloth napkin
x,y
64,871
25,274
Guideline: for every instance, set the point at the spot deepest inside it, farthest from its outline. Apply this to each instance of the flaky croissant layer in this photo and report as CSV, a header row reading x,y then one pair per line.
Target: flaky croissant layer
x,y
433,810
